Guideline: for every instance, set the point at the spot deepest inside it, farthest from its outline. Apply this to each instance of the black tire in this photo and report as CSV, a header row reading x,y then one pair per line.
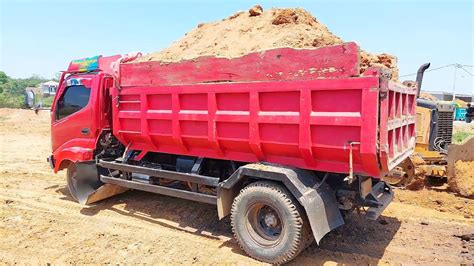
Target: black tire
x,y
71,175
80,187
257,231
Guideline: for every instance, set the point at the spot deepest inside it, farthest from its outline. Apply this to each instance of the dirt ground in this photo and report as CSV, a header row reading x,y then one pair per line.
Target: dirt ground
x,y
461,126
39,222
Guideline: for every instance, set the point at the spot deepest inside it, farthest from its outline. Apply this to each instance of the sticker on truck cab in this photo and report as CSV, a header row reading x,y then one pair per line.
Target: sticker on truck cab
x,y
84,64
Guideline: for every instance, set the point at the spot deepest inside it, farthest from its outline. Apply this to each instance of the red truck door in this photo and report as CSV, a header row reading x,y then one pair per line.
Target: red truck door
x,y
72,115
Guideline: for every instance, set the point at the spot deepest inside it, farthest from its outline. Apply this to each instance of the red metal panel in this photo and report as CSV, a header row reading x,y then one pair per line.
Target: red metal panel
x,y
306,124
106,61
293,107
401,125
278,64
397,134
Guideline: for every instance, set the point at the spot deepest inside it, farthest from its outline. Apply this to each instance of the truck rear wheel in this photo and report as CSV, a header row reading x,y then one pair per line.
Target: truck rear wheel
x,y
269,224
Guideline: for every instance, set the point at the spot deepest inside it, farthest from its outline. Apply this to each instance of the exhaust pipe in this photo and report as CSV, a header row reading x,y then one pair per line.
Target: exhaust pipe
x,y
419,76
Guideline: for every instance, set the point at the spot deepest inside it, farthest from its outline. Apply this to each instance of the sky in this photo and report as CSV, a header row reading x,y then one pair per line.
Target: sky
x,y
41,37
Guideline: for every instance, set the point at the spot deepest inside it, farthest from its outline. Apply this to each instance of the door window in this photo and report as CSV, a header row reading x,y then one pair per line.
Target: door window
x,y
72,100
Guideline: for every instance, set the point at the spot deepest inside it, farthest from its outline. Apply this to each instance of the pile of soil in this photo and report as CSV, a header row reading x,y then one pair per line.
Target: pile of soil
x,y
463,183
427,96
460,103
258,30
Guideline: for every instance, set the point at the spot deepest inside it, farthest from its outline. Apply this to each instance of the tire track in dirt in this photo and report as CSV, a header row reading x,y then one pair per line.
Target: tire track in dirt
x,y
55,206
111,219
52,220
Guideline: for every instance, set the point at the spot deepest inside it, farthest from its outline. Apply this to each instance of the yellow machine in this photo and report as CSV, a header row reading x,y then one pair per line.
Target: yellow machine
x,y
434,127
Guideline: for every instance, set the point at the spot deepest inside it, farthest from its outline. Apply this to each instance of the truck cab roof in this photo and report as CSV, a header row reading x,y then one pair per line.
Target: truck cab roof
x,y
94,63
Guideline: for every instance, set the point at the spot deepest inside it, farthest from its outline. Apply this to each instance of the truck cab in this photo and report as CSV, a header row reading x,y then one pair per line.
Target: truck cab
x,y
81,110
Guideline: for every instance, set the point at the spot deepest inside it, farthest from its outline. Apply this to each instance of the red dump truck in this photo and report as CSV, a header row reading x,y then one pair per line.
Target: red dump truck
x,y
284,141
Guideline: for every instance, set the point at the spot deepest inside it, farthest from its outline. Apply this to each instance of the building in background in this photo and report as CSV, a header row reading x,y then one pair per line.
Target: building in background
x,y
49,88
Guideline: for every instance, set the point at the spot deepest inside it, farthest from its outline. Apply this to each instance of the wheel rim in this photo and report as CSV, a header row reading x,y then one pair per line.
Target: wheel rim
x,y
408,168
264,224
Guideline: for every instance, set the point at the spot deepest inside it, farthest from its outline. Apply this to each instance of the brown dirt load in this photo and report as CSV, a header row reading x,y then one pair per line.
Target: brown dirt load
x,y
40,222
285,16
256,10
428,96
258,30
463,182
460,103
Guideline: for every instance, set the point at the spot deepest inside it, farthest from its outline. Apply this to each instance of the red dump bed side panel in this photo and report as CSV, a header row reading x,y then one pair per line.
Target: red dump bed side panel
x,y
272,65
307,124
298,120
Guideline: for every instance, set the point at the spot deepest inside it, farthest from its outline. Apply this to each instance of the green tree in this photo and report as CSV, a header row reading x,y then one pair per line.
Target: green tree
x,y
3,78
12,90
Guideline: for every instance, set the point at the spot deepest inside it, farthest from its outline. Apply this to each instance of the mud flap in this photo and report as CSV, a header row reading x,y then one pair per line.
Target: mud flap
x,y
89,188
322,210
318,199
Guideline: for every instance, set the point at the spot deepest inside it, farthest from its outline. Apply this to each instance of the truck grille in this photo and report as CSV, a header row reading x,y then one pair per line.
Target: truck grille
x,y
445,126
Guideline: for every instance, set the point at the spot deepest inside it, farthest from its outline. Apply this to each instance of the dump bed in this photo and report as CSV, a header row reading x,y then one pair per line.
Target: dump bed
x,y
297,107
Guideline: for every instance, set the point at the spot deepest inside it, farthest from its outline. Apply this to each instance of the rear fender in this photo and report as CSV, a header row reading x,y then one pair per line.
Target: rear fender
x,y
318,199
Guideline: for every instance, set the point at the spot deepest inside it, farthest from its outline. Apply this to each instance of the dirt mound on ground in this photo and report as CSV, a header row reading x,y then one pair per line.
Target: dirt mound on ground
x,y
256,10
427,96
463,182
246,32
460,103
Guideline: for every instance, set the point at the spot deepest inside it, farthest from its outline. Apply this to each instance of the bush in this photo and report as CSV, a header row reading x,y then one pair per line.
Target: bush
x,y
47,101
11,101
12,90
459,136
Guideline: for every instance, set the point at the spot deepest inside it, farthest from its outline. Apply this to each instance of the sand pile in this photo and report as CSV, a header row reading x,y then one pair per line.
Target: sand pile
x,y
463,183
427,96
460,103
257,30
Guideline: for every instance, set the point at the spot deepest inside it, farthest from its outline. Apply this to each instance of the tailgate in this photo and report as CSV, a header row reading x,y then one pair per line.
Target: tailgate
x,y
397,123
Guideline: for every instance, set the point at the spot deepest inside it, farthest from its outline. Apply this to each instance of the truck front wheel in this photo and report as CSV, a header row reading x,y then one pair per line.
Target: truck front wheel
x,y
269,224
72,180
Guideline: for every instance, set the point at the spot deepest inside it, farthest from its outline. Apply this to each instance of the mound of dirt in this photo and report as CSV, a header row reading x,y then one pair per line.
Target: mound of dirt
x,y
463,183
257,30
460,103
256,10
425,95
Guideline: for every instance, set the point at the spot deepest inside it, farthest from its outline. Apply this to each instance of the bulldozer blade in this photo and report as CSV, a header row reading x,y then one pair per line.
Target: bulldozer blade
x,y
103,192
89,188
